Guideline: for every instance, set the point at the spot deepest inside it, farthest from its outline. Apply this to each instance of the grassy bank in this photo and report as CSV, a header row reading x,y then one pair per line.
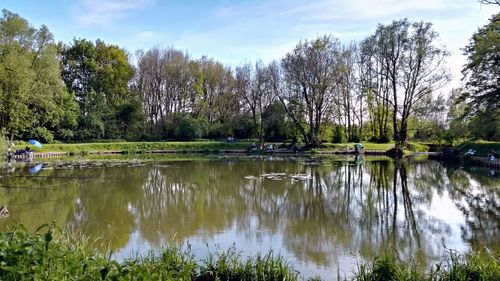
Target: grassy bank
x,y
138,147
480,266
198,146
187,146
412,147
482,148
51,255
350,146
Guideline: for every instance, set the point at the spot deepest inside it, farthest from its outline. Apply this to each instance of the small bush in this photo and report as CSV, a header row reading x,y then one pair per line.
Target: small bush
x,y
43,134
384,138
189,128
339,135
355,138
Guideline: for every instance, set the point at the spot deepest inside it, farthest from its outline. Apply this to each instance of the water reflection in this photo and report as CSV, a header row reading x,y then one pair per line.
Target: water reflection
x,y
331,213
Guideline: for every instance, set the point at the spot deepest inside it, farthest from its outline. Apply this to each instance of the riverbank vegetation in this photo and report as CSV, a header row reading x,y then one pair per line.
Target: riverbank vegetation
x,y
481,265
321,91
141,147
180,146
481,148
49,254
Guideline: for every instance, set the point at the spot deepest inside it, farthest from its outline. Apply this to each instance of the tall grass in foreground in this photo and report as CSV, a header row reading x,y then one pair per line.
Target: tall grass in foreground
x,y
53,255
49,254
480,265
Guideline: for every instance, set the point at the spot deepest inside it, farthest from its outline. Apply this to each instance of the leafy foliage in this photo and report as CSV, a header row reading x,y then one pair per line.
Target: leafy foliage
x,y
98,74
276,125
483,69
322,90
409,65
3,145
32,94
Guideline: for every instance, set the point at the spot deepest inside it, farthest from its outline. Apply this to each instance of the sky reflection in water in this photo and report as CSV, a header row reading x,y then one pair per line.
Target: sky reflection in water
x,y
333,215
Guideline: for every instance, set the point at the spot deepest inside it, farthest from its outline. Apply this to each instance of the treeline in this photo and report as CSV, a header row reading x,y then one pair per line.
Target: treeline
x,y
324,90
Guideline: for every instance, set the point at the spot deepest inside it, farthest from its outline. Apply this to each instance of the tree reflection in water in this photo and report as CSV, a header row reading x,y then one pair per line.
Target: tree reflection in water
x,y
341,210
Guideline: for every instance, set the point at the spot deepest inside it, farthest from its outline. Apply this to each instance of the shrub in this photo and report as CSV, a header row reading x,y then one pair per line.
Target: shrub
x,y
339,135
355,138
189,128
43,134
65,134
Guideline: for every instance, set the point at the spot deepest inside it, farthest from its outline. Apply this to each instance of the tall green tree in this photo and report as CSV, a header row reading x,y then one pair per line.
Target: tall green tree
x,y
275,122
374,86
34,102
98,74
311,73
456,117
252,88
413,67
482,71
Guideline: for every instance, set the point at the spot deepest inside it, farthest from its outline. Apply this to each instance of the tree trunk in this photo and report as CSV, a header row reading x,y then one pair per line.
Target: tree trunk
x,y
254,117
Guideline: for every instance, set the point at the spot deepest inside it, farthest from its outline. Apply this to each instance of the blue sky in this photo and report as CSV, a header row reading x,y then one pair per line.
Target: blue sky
x,y
235,32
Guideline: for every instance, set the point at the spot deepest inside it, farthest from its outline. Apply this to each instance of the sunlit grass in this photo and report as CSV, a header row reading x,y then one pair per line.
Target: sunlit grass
x,y
136,147
481,266
50,254
178,146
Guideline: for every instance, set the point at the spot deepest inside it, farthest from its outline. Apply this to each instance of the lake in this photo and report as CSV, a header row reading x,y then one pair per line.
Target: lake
x,y
325,216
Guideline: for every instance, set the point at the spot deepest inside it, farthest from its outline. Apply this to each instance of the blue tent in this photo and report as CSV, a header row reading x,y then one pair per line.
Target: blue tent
x,y
35,143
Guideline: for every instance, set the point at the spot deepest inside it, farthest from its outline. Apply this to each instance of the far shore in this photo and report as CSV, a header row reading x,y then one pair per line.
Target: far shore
x,y
482,150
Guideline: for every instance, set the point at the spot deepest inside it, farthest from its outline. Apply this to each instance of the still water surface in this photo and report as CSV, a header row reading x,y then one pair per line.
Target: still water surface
x,y
323,217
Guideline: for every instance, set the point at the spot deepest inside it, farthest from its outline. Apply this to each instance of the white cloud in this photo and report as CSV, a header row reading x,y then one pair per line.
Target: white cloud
x,y
104,12
148,35
369,10
293,20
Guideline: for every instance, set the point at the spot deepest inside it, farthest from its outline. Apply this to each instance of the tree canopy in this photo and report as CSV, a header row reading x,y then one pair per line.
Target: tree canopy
x,y
482,71
380,89
34,101
98,75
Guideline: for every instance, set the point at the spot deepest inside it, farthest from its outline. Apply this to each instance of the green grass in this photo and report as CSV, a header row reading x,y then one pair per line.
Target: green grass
x,y
50,254
418,147
481,266
388,267
136,147
181,147
350,146
482,148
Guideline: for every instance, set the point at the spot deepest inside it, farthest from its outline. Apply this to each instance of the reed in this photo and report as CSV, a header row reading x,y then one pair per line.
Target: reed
x,y
51,254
